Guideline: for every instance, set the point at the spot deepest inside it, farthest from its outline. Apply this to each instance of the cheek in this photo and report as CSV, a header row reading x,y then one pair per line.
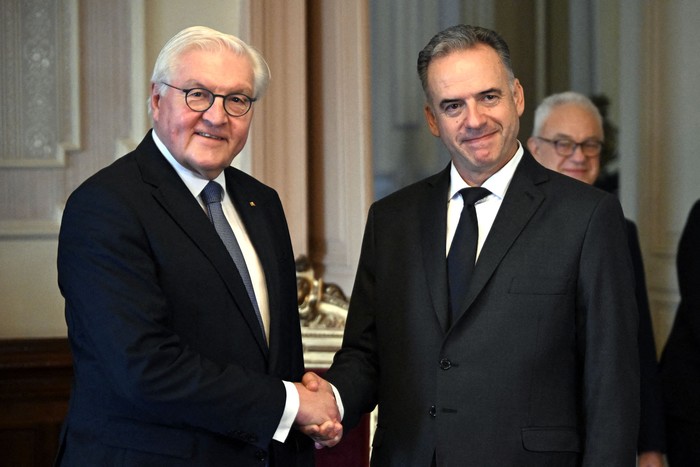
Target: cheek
x,y
241,131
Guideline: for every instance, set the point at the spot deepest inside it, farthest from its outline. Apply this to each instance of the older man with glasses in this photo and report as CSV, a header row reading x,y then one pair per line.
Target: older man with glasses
x,y
180,286
568,136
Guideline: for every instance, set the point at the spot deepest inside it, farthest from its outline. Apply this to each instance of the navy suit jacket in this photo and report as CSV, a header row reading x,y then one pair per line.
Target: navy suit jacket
x,y
170,365
541,367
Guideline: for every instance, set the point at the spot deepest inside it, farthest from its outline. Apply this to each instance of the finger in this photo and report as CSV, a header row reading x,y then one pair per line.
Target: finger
x,y
311,381
329,429
332,442
311,430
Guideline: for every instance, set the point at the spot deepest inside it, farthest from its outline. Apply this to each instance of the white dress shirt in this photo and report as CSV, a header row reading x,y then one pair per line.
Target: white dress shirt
x,y
486,208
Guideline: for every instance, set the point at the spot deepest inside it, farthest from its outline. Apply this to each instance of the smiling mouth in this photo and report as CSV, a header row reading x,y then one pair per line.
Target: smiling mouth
x,y
470,138
209,135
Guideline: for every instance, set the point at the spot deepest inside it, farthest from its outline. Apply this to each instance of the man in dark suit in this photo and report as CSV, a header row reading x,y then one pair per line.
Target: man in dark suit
x,y
183,354
536,363
680,362
568,138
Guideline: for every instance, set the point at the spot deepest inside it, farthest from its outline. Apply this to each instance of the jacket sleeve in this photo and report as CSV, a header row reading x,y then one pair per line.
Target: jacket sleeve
x,y
607,319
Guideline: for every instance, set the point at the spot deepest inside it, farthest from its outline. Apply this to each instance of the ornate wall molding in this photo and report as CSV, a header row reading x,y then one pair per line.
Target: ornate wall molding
x,y
40,102
139,80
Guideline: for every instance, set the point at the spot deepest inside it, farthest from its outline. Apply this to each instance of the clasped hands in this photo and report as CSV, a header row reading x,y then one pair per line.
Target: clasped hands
x,y
318,415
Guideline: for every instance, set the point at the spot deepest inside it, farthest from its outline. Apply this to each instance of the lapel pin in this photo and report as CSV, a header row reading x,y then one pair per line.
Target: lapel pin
x,y
252,203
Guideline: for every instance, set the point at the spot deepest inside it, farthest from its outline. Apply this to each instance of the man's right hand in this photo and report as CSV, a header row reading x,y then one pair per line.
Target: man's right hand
x,y
318,415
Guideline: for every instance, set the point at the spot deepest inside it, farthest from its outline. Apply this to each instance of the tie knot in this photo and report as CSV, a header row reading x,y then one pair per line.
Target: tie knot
x,y
473,194
211,193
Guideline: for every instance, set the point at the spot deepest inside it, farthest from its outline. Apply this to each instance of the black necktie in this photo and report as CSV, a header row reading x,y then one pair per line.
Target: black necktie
x,y
212,195
462,255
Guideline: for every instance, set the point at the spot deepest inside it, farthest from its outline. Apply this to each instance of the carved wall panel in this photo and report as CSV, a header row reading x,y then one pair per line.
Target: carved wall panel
x,y
40,104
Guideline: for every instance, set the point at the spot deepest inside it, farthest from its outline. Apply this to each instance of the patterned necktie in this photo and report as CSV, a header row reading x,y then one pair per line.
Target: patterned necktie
x,y
462,255
212,195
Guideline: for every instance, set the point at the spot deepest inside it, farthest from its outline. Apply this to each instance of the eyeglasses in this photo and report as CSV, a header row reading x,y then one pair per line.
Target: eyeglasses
x,y
566,147
201,100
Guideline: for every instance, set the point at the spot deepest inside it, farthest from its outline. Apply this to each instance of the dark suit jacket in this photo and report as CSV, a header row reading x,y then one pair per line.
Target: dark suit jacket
x,y
540,369
652,424
170,366
681,357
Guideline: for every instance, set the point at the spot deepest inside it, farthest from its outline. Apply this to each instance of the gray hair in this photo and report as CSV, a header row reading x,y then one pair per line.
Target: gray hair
x,y
211,40
549,103
461,37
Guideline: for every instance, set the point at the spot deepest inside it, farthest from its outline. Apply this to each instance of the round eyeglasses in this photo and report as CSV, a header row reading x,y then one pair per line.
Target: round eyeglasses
x,y
201,100
566,147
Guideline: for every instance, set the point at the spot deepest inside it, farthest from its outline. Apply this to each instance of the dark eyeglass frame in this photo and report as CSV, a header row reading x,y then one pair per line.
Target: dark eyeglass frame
x,y
187,92
561,144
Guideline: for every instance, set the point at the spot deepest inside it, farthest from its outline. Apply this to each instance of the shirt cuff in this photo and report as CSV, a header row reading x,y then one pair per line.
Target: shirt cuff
x,y
338,402
291,408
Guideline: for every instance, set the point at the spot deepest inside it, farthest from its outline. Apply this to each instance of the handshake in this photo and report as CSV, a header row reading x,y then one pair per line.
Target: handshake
x,y
318,415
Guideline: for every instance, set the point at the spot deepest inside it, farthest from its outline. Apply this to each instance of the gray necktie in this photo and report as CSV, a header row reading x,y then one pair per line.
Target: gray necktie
x,y
212,195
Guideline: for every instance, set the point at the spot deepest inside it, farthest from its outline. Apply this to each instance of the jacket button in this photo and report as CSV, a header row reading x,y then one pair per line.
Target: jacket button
x,y
260,455
432,411
445,364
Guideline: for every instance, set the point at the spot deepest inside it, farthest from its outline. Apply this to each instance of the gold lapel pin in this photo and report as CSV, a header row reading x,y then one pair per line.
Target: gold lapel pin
x,y
252,203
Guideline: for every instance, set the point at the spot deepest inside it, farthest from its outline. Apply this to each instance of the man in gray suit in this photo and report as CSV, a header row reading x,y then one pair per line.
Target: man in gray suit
x,y
533,362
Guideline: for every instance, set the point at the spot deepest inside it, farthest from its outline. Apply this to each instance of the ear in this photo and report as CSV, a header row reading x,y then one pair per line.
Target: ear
x,y
155,101
519,97
532,145
432,120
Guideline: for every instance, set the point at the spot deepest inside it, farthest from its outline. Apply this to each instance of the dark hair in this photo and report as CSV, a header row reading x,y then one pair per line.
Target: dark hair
x,y
461,37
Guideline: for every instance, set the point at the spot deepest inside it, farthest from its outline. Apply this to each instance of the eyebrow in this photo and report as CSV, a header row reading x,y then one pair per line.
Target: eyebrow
x,y
497,91
445,102
194,84
571,138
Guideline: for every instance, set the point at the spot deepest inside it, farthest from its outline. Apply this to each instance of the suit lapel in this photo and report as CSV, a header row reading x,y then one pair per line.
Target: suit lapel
x,y
433,222
252,207
520,203
171,193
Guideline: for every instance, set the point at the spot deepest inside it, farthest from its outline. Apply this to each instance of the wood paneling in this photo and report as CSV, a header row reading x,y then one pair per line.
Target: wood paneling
x,y
35,380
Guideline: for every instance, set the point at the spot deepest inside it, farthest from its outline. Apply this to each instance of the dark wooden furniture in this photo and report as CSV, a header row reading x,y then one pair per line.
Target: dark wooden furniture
x,y
35,380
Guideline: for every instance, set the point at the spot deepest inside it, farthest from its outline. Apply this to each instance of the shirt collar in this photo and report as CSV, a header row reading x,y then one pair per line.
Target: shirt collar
x,y
497,183
194,182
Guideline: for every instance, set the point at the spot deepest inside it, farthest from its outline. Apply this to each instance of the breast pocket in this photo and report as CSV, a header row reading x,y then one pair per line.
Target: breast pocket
x,y
539,284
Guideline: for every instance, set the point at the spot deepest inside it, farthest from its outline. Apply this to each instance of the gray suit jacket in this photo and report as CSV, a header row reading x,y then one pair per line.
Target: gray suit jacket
x,y
541,367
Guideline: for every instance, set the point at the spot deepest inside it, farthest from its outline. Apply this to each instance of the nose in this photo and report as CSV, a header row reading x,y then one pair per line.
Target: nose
x,y
473,117
578,155
216,115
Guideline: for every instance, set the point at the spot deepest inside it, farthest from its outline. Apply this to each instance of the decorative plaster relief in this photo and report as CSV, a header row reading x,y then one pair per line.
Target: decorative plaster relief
x,y
39,103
